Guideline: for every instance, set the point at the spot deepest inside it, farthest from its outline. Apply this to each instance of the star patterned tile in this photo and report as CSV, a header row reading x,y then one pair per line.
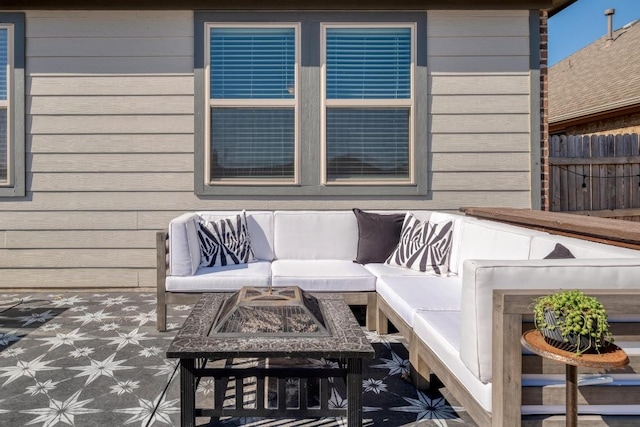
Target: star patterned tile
x,y
96,359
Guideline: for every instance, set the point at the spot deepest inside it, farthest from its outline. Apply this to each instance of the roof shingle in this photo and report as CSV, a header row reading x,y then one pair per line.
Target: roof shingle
x,y
603,76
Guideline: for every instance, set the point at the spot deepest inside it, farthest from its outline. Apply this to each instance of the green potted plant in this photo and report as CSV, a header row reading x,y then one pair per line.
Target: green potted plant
x,y
572,321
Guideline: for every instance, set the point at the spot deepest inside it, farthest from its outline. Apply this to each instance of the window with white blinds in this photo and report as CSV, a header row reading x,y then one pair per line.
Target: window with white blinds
x,y
311,104
5,73
252,102
367,103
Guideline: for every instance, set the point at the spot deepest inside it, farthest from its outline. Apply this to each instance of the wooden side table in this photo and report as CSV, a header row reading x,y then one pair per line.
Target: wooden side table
x,y
609,357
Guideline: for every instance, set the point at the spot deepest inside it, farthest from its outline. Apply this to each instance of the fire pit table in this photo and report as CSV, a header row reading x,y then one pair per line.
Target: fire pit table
x,y
270,324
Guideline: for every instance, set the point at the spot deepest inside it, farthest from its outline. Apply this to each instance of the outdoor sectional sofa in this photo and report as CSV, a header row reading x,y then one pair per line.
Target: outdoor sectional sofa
x,y
450,321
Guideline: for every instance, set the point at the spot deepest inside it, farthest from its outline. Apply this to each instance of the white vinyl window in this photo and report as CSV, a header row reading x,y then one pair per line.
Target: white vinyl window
x,y
6,72
311,104
252,97
368,103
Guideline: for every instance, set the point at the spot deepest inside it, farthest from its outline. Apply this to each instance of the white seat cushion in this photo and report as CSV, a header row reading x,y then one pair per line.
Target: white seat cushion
x,y
382,270
409,294
323,275
440,330
222,279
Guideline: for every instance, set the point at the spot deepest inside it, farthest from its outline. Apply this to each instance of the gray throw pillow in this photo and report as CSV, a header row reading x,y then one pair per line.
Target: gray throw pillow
x,y
378,235
559,252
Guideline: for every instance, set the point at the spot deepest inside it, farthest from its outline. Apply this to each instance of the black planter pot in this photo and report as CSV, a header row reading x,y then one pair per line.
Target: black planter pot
x,y
576,343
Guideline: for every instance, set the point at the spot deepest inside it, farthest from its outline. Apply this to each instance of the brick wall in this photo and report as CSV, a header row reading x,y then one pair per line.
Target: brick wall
x,y
544,118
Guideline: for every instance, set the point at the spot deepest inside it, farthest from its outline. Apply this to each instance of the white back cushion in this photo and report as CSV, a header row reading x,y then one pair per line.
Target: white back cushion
x,y
492,240
482,277
260,225
184,249
541,246
315,235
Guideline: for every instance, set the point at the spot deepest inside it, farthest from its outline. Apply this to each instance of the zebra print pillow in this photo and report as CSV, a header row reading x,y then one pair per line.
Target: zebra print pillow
x,y
423,246
224,242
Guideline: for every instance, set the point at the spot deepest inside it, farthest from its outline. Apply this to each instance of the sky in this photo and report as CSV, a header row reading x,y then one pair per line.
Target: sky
x,y
584,22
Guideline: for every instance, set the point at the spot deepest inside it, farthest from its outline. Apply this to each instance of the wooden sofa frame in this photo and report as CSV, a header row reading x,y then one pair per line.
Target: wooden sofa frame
x,y
165,298
511,308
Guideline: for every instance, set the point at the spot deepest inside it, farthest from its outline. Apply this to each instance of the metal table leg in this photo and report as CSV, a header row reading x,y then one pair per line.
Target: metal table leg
x,y
572,396
187,393
354,392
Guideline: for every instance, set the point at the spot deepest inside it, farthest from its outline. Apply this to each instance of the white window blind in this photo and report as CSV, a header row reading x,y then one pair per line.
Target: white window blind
x,y
368,103
252,142
368,63
251,66
367,143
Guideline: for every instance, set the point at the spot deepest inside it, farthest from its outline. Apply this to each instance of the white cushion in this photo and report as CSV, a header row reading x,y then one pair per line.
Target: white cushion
x,y
481,277
406,295
541,246
440,331
323,275
184,248
311,235
222,279
492,240
260,224
381,269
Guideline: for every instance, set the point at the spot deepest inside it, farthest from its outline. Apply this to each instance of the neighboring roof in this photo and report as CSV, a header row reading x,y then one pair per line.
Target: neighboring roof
x,y
601,77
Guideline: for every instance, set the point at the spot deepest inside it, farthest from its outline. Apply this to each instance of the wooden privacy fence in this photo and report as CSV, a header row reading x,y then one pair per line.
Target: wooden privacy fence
x,y
597,175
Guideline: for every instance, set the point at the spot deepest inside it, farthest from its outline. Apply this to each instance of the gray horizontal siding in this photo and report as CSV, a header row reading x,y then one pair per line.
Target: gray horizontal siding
x,y
127,85
480,162
110,139
480,123
116,143
99,124
122,162
76,258
49,220
488,142
480,102
177,201
106,105
111,181
76,278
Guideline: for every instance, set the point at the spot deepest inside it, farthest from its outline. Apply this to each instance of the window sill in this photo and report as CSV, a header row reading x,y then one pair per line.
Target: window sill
x,y
311,190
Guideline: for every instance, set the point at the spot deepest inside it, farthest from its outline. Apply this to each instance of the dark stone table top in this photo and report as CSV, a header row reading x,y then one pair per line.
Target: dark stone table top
x,y
347,339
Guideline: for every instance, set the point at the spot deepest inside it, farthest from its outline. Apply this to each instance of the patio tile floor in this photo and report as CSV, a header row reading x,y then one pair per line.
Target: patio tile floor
x,y
96,359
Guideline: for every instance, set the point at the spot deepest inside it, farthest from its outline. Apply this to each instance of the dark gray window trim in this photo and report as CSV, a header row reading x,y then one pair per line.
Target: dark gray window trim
x,y
310,110
16,139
